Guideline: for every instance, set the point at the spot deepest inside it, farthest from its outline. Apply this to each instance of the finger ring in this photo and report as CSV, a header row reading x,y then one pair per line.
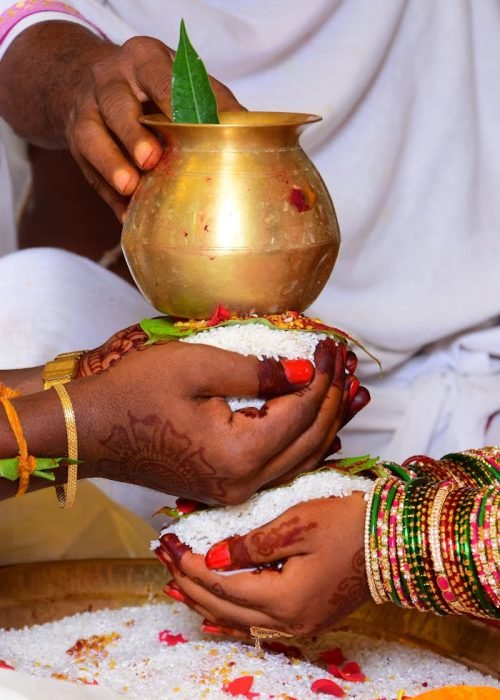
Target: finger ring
x,y
258,633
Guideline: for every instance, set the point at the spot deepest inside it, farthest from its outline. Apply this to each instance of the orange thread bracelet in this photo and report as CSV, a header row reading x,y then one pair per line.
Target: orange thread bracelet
x,y
8,393
27,463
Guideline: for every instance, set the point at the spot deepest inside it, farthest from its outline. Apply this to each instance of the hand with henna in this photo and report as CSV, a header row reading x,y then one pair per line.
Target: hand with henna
x,y
322,578
61,86
156,415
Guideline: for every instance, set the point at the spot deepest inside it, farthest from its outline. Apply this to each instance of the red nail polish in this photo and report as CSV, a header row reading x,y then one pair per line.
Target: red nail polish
x,y
353,389
298,371
351,362
174,593
211,628
219,556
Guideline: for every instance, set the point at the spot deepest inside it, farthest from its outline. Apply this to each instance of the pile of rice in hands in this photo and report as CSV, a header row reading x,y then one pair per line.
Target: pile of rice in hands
x,y
292,336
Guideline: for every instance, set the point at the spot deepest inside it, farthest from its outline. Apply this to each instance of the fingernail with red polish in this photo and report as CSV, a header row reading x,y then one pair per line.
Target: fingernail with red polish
x,y
218,556
174,547
351,362
298,371
211,628
174,593
324,355
353,388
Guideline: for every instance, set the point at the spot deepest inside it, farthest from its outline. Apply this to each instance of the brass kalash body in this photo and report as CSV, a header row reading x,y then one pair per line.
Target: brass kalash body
x,y
234,214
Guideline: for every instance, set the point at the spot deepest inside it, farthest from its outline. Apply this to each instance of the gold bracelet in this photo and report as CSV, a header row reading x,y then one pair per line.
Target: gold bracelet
x,y
66,497
61,369
56,373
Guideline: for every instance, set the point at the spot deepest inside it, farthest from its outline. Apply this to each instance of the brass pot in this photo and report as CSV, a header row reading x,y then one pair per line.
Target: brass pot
x,y
234,214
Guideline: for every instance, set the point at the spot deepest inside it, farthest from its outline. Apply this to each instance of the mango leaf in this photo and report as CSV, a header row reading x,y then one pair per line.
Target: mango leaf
x,y
44,466
161,330
193,100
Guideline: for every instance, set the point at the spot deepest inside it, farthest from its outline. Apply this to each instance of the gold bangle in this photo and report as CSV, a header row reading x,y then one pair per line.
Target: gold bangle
x,y
61,369
66,497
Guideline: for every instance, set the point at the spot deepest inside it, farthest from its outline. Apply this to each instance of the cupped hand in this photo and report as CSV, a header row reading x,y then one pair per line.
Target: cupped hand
x,y
320,579
156,415
102,125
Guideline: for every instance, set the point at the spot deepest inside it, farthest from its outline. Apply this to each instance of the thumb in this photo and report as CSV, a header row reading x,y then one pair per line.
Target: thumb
x,y
215,372
282,538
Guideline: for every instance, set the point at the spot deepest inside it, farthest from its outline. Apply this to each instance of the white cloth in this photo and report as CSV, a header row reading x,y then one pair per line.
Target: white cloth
x,y
410,149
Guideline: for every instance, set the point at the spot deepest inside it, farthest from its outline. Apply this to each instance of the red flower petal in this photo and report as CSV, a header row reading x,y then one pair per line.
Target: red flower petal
x,y
240,686
170,639
332,656
352,672
327,687
186,505
220,315
334,670
4,664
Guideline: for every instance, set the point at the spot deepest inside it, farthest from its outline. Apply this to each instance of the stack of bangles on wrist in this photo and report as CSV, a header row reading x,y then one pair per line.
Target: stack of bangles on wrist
x,y
431,534
56,373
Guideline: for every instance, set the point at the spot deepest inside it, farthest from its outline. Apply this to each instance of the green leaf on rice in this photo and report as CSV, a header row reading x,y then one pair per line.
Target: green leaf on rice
x,y
193,100
161,330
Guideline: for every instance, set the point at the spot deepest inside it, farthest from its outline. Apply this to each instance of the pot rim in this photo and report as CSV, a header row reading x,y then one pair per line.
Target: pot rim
x,y
240,119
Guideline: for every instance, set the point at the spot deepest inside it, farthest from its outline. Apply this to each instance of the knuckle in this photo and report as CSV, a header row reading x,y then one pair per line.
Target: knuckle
x,y
81,132
110,103
142,47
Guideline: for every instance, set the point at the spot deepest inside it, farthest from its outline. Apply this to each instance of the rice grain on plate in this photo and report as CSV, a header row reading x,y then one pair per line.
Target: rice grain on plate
x,y
157,652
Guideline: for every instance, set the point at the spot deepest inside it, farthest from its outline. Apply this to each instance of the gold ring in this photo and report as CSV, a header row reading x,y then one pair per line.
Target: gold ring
x,y
258,633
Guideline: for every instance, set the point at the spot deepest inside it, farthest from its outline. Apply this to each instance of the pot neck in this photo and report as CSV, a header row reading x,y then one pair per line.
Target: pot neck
x,y
237,130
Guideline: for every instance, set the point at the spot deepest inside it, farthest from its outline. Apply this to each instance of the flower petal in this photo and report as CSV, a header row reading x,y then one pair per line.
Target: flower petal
x,y
327,687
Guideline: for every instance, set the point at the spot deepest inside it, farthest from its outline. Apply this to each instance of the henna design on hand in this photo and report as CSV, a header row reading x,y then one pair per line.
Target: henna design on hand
x,y
351,591
288,533
109,353
154,454
253,411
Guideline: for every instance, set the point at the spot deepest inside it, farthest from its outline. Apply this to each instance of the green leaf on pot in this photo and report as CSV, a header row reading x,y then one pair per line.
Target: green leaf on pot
x,y
193,100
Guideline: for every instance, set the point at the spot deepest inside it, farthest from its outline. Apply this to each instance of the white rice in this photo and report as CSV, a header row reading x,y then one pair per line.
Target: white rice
x,y
202,529
261,341
138,665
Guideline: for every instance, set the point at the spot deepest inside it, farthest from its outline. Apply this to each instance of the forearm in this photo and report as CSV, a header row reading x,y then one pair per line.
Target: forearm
x,y
43,425
39,75
24,381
